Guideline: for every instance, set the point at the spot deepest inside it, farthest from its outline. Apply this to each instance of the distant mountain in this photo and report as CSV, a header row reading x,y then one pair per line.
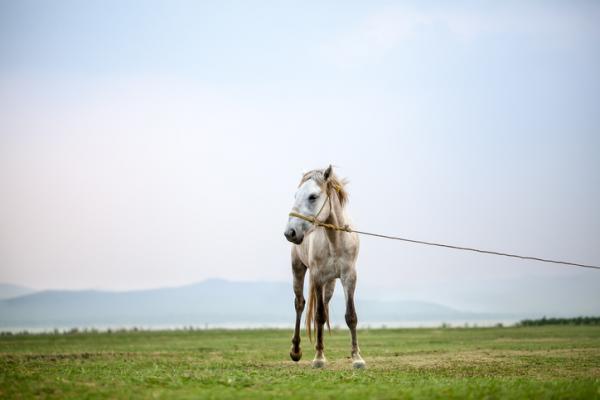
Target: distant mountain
x,y
8,291
212,302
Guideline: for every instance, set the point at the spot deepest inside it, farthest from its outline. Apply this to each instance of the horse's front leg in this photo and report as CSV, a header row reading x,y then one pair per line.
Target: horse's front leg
x,y
299,271
349,283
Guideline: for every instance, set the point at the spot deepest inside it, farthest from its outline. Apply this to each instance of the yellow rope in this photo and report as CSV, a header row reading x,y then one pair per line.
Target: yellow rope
x,y
315,221
346,228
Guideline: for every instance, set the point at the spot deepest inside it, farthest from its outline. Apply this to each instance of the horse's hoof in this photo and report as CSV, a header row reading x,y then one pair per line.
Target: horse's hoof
x,y
358,364
319,363
296,356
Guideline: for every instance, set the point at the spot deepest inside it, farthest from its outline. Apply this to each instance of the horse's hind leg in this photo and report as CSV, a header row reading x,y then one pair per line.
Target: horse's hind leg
x,y
328,294
349,283
320,318
299,271
323,296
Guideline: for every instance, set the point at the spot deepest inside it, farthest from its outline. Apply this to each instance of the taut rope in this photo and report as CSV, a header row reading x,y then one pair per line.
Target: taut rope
x,y
346,228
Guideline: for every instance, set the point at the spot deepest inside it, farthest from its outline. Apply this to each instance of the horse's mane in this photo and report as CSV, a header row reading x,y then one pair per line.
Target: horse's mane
x,y
333,183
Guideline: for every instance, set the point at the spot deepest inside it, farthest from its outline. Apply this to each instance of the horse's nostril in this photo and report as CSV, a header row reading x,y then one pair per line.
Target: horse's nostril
x,y
290,234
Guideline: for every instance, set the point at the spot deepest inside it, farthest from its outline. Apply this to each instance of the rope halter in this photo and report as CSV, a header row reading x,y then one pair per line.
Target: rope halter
x,y
314,220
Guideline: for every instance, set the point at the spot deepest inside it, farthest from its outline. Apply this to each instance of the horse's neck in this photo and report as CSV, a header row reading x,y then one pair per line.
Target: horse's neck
x,y
337,216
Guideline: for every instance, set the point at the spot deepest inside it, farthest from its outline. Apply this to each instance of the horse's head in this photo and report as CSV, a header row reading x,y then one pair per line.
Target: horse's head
x,y
311,200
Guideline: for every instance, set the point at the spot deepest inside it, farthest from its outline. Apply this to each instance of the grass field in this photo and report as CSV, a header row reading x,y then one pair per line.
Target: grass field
x,y
521,362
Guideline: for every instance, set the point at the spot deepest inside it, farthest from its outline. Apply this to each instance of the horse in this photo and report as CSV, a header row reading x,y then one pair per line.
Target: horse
x,y
328,254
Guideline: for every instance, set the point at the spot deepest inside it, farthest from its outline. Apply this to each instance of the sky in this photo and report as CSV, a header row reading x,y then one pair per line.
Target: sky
x,y
160,143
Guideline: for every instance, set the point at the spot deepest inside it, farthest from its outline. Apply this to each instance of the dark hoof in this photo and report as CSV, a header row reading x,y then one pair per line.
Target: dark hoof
x,y
296,356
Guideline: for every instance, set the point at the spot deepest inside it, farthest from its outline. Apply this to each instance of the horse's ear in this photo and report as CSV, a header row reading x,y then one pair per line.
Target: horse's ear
x,y
327,172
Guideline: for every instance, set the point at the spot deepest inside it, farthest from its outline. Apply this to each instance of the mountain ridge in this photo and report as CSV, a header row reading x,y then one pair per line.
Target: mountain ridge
x,y
214,301
9,290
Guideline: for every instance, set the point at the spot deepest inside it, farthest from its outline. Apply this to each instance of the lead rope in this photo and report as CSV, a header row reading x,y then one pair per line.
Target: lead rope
x,y
346,228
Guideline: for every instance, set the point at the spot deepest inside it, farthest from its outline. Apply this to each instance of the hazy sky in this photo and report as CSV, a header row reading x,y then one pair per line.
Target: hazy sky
x,y
143,146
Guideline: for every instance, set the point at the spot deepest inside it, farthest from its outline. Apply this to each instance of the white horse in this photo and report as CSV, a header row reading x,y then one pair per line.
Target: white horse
x,y
327,253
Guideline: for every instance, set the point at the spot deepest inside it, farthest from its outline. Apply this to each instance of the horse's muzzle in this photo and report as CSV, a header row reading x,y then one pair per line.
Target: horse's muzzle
x,y
292,236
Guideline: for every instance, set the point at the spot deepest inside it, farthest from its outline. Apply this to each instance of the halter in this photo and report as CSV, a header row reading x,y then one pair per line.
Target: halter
x,y
316,222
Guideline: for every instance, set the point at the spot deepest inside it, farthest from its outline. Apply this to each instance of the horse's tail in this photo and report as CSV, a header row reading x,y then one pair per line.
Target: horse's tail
x,y
311,315
327,318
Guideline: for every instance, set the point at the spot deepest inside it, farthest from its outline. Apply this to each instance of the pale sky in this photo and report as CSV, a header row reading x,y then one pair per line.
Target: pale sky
x,y
159,145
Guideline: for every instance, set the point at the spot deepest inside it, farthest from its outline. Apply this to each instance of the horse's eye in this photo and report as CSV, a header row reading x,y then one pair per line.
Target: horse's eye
x,y
312,197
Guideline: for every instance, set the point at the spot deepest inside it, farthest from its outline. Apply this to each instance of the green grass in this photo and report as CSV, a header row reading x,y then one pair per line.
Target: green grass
x,y
520,362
